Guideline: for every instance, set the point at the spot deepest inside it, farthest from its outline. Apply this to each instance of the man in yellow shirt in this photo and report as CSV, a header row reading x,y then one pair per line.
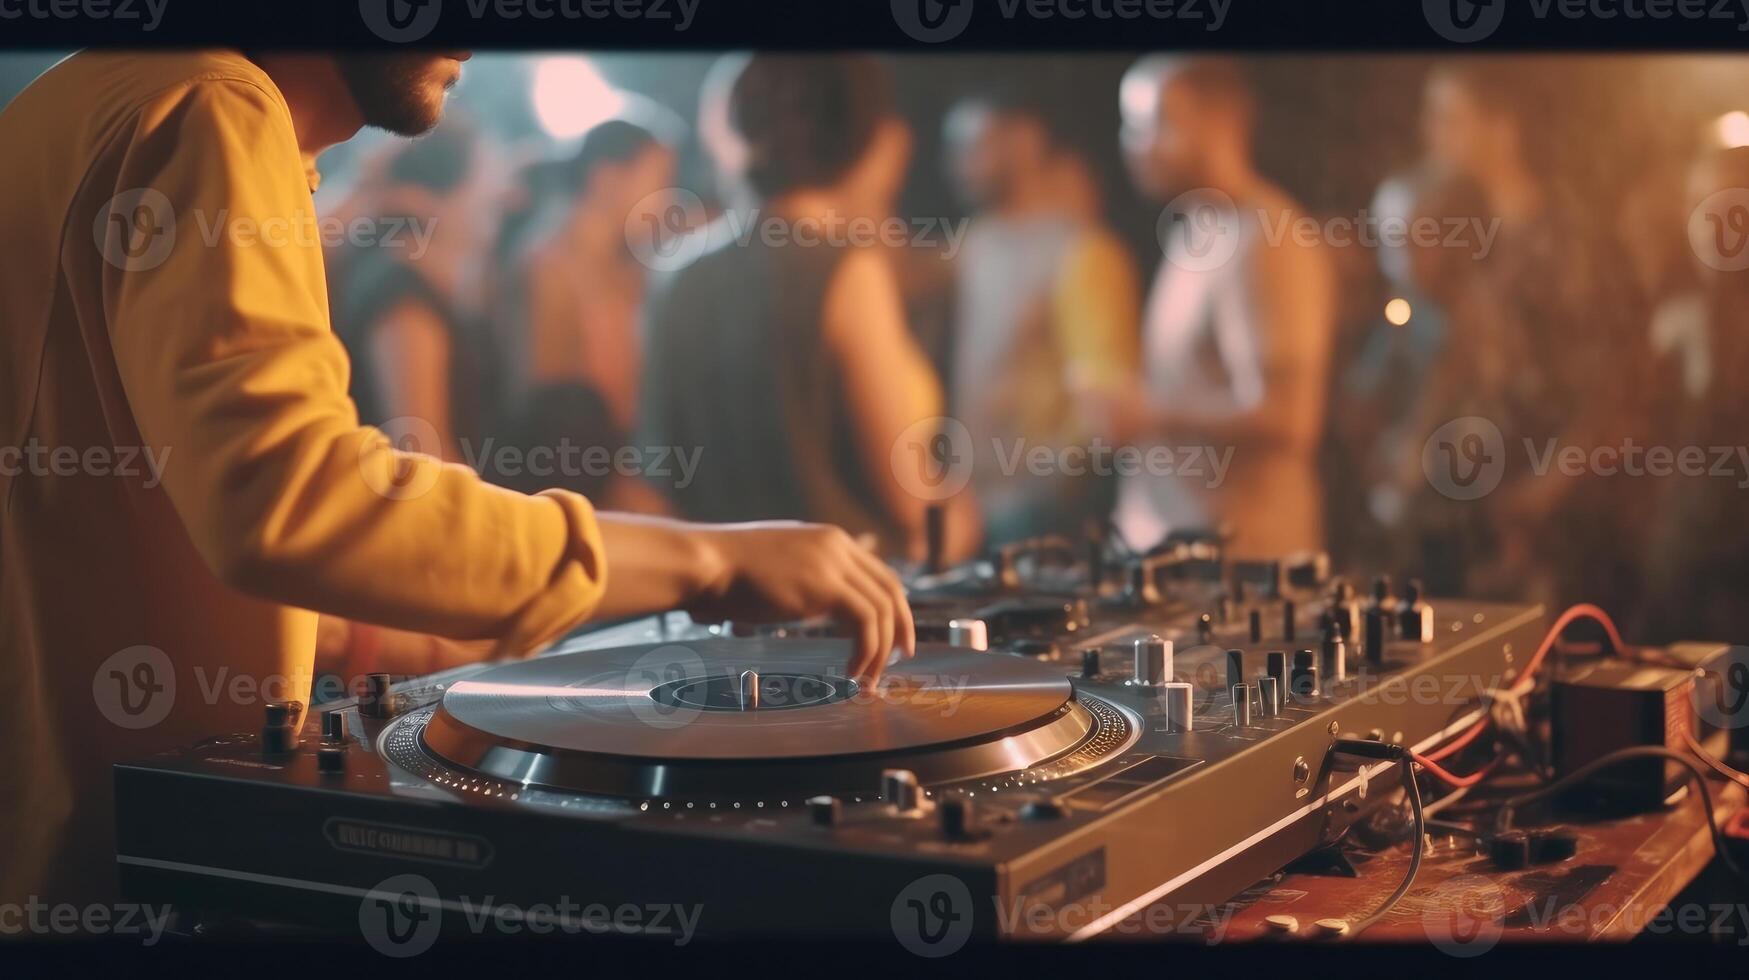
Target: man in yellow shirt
x,y
184,484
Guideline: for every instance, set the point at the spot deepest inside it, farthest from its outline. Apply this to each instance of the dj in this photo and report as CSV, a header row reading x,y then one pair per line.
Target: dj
x,y
149,310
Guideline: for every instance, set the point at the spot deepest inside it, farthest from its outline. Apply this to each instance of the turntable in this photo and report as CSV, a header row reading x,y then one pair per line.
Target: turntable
x,y
755,720
1122,744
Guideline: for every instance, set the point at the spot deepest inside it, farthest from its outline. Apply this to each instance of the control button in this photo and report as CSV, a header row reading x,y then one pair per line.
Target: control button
x,y
1334,659
1288,615
1179,707
333,725
1284,924
826,810
331,759
1235,667
1041,808
1304,682
279,730
1205,629
1414,617
899,788
1269,693
959,820
1331,928
1256,626
1153,657
1241,706
1090,662
376,700
1276,667
971,633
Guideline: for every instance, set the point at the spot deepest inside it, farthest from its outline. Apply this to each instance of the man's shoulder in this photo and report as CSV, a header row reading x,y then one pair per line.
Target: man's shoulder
x,y
93,91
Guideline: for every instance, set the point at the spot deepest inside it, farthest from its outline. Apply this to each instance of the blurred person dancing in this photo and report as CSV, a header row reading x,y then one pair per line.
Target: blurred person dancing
x,y
784,354
1238,327
1047,297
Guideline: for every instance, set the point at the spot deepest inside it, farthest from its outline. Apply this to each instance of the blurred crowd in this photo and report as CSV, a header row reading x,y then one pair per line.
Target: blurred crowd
x,y
1404,405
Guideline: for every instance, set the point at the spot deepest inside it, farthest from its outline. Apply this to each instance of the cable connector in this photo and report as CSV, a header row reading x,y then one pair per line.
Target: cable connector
x,y
1367,748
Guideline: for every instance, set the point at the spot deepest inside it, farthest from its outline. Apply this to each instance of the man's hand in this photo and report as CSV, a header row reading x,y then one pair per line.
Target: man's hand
x,y
764,572
775,571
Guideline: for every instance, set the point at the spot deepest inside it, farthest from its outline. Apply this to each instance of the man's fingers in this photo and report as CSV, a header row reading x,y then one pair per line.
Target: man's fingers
x,y
877,597
858,612
904,624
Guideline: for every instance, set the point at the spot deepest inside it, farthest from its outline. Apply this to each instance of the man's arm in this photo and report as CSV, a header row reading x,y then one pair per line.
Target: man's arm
x,y
227,358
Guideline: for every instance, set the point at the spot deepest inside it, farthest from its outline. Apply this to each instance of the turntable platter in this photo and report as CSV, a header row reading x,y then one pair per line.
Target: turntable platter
x,y
749,717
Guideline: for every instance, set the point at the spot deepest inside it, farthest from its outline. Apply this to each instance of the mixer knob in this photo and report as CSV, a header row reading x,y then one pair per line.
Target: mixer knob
x,y
333,725
899,788
1140,590
1153,657
959,820
1090,662
1277,668
1287,620
1256,626
1375,636
1205,629
1041,808
971,633
1241,706
1235,667
376,698
1415,618
331,760
1335,654
1269,694
1304,681
826,810
1180,707
935,538
279,729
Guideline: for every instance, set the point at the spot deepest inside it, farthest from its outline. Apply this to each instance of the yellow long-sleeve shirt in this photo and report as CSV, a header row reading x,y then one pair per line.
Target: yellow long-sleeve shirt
x,y
182,476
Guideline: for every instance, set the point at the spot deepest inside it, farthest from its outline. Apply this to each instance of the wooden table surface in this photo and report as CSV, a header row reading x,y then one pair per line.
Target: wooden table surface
x,y
1619,884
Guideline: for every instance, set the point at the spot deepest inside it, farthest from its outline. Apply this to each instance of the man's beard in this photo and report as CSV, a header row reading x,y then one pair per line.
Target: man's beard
x,y
394,91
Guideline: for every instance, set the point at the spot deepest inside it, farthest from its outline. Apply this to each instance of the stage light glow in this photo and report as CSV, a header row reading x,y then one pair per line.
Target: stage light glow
x,y
1732,129
570,96
1397,312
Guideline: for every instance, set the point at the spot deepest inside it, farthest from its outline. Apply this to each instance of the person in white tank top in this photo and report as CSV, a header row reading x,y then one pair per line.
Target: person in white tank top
x,y
1228,410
